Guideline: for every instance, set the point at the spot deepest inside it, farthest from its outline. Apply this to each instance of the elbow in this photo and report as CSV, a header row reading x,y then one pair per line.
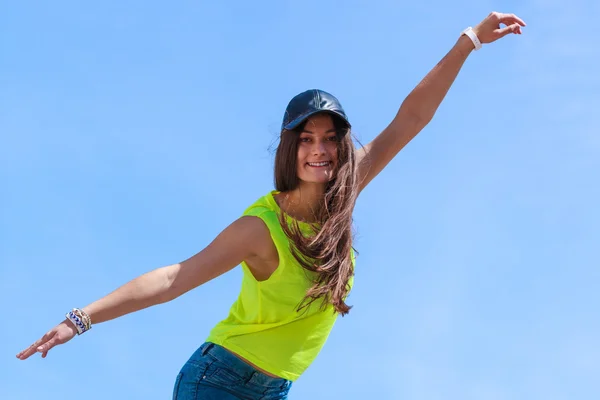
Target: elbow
x,y
166,296
169,286
411,121
416,119
424,119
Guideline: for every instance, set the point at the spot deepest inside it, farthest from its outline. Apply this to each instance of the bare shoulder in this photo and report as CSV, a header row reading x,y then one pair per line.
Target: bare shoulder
x,y
246,236
245,239
255,233
264,259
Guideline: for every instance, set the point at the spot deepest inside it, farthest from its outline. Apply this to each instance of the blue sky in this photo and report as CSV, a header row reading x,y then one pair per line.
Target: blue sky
x,y
132,133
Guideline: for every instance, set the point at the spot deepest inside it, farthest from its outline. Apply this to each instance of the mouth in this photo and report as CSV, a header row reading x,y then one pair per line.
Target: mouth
x,y
322,164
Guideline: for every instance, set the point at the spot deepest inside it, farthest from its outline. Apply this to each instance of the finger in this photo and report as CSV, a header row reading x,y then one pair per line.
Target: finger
x,y
45,348
519,20
32,349
26,353
514,28
509,19
44,354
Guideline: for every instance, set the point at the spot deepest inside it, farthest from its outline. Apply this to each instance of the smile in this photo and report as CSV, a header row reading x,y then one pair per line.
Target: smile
x,y
320,164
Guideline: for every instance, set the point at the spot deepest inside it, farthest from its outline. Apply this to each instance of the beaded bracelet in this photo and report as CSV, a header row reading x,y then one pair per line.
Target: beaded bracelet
x,y
85,318
80,319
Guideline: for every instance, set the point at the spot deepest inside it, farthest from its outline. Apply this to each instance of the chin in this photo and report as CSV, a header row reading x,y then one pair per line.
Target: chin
x,y
315,181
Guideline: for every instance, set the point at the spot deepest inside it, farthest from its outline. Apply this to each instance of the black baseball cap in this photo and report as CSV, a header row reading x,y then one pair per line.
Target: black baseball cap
x,y
309,103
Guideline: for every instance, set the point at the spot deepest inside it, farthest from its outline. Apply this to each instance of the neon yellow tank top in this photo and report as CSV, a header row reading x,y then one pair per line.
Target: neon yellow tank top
x,y
263,325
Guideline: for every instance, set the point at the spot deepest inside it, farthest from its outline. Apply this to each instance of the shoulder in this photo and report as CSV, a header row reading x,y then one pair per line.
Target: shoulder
x,y
249,227
263,218
265,208
261,221
247,236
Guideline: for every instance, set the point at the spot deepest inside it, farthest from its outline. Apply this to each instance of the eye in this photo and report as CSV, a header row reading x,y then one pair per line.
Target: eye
x,y
304,139
333,138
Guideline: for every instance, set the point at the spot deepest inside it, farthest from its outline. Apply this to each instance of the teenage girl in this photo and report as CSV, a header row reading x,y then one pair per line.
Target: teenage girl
x,y
294,244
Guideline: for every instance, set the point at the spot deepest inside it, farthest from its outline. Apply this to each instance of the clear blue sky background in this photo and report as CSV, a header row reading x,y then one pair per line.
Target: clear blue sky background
x,y
131,133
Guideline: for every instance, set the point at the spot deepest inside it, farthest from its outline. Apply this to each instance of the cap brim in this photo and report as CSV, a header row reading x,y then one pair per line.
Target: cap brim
x,y
293,124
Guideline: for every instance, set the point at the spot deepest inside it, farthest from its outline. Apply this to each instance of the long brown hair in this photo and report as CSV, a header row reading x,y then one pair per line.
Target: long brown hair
x,y
327,253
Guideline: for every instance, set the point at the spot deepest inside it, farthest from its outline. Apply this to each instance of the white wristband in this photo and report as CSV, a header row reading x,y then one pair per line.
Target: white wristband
x,y
471,34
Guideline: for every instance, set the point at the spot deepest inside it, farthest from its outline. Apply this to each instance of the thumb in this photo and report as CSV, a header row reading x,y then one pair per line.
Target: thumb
x,y
514,28
48,345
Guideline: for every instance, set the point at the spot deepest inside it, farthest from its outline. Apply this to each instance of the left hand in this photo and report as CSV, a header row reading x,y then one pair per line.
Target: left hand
x,y
60,334
489,30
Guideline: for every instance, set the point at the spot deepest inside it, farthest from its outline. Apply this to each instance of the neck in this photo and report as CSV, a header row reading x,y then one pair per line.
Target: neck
x,y
304,202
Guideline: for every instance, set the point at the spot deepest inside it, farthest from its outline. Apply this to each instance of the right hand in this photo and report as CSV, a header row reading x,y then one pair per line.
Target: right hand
x,y
490,30
60,334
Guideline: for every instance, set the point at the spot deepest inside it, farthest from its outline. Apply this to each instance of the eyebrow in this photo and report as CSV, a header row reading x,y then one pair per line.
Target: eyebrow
x,y
312,133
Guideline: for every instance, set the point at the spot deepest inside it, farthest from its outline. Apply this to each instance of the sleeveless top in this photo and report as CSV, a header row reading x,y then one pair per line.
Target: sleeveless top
x,y
263,325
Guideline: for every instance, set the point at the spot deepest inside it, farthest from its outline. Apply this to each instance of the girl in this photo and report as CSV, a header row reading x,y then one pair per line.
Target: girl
x,y
294,245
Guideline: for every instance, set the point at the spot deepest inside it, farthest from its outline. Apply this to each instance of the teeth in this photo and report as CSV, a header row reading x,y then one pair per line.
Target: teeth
x,y
319,164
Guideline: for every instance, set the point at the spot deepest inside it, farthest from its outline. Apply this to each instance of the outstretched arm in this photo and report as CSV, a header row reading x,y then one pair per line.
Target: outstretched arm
x,y
232,246
238,242
418,109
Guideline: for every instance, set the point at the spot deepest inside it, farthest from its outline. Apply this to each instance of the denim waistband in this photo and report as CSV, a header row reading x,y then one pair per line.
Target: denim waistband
x,y
242,368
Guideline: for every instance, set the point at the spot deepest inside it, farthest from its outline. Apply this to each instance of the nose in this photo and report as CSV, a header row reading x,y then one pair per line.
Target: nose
x,y
318,148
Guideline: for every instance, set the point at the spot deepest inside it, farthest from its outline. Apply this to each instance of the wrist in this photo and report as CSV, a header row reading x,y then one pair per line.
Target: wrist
x,y
71,325
465,45
80,320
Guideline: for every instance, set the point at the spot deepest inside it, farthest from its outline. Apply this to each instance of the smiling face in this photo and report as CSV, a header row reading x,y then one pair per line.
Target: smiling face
x,y
317,150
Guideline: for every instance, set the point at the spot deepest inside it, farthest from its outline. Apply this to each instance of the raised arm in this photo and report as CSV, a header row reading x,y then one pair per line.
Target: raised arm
x,y
238,242
419,107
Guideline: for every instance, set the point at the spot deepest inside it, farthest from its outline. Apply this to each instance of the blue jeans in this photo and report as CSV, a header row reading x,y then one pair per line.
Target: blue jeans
x,y
212,373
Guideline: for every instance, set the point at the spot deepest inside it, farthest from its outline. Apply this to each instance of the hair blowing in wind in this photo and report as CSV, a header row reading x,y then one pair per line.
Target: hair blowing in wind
x,y
327,253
